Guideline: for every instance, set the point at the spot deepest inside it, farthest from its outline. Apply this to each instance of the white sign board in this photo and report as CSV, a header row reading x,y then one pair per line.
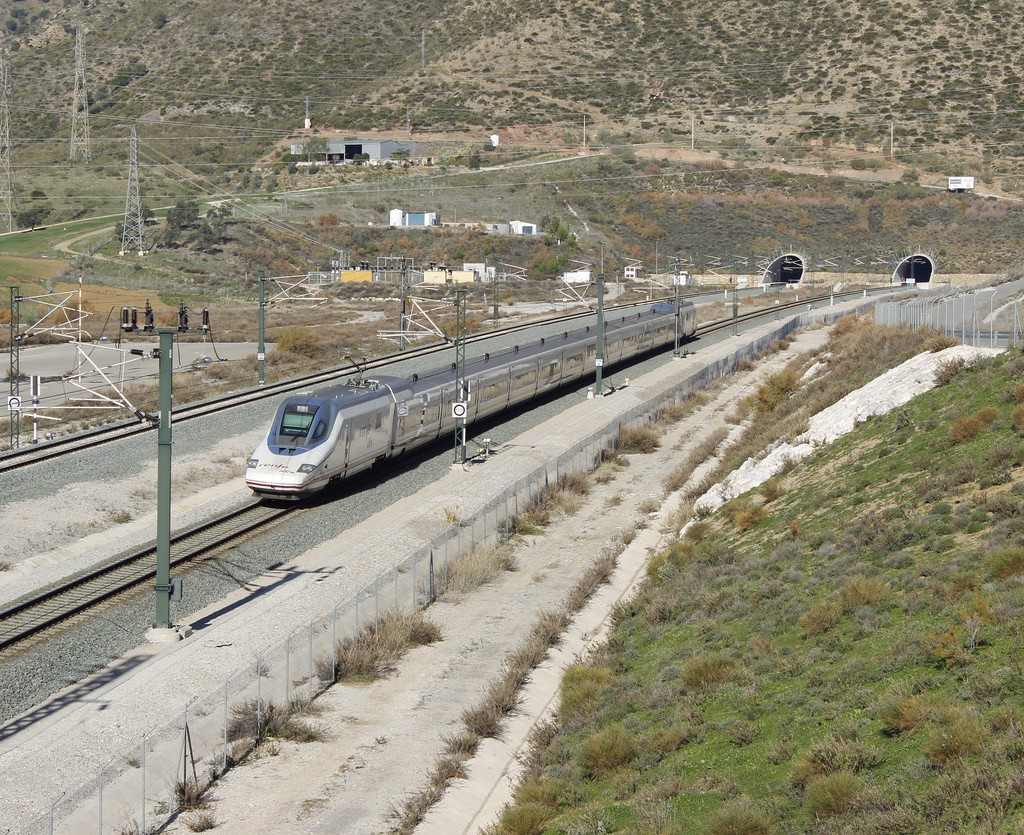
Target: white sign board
x,y
459,409
13,404
960,183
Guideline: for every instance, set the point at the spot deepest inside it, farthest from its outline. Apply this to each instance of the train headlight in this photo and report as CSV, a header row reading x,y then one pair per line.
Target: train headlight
x,y
251,463
308,468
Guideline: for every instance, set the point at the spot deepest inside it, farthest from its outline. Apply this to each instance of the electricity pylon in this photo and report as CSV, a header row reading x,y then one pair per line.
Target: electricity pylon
x,y
80,105
6,161
132,237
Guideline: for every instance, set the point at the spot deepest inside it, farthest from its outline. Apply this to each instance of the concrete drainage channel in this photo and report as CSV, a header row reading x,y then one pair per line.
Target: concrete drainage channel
x,y
285,672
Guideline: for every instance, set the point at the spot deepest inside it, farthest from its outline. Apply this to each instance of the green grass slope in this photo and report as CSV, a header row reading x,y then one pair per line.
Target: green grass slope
x,y
837,653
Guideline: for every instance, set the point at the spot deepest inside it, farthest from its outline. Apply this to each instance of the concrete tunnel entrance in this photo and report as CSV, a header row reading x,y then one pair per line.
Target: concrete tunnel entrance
x,y
786,269
914,269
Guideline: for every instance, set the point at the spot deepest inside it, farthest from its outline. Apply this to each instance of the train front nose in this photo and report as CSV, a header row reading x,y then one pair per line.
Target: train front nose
x,y
274,479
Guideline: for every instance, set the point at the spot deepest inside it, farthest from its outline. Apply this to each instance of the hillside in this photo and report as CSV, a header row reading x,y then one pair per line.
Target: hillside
x,y
772,99
837,652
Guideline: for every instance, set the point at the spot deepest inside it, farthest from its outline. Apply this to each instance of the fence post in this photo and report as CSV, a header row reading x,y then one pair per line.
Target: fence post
x,y
414,580
334,644
224,760
54,806
259,696
311,657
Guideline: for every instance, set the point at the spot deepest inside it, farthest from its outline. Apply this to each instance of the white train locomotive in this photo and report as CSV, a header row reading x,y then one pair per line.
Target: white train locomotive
x,y
333,433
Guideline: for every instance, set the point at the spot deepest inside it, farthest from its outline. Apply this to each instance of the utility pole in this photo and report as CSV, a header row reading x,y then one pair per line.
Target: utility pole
x,y
402,324
892,136
584,131
693,131
423,49
80,105
261,348
6,156
460,406
165,589
599,359
133,238
14,394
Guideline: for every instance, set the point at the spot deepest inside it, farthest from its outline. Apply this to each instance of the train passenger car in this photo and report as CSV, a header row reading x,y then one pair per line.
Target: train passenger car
x,y
336,432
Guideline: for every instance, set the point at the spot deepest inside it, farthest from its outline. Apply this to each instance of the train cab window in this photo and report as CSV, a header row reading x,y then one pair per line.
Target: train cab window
x,y
318,433
295,424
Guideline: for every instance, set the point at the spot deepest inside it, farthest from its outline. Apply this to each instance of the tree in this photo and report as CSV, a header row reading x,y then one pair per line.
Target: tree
x,y
184,215
31,218
316,148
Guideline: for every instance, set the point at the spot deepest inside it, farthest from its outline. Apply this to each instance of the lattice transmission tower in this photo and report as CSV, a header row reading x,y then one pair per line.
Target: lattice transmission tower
x,y
80,105
133,238
6,161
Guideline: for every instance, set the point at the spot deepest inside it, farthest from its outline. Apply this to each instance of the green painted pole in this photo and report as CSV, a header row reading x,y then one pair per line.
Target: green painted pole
x,y
163,484
599,361
261,349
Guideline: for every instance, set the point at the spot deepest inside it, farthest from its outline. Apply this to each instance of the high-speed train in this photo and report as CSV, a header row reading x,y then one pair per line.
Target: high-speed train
x,y
333,433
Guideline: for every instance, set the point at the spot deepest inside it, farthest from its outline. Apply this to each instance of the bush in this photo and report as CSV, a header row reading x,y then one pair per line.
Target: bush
x,y
298,340
908,714
956,735
524,819
608,749
739,817
834,794
862,591
638,439
1007,562
820,619
581,687
1018,418
947,370
705,671
776,390
833,754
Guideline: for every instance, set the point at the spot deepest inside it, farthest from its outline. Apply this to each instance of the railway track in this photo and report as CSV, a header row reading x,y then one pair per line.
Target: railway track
x,y
31,617
26,455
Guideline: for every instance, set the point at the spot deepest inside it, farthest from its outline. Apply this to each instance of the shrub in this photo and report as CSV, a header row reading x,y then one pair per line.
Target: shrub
x,y
638,439
956,735
378,647
776,390
739,817
578,483
1018,418
862,591
525,819
908,714
298,340
772,489
705,671
947,370
1006,562
965,428
819,620
608,749
833,754
581,687
834,794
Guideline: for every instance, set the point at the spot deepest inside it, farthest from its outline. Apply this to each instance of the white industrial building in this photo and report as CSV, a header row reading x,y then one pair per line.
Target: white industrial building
x,y
357,150
400,218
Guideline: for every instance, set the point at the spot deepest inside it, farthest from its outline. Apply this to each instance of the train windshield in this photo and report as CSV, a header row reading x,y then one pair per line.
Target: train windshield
x,y
295,423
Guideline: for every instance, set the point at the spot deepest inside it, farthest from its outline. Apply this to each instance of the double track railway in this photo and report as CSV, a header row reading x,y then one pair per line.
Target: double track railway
x,y
30,618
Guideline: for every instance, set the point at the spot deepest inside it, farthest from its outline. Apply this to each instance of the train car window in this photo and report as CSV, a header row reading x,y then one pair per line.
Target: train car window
x,y
295,424
321,427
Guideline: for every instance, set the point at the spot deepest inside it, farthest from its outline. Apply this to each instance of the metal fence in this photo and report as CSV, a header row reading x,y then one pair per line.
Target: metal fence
x,y
139,789
973,317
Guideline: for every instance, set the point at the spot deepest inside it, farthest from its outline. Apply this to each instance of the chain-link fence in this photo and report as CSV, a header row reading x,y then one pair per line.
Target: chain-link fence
x,y
975,317
139,789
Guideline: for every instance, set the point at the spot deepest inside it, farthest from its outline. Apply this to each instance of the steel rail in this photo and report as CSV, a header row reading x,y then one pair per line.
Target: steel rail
x,y
52,606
